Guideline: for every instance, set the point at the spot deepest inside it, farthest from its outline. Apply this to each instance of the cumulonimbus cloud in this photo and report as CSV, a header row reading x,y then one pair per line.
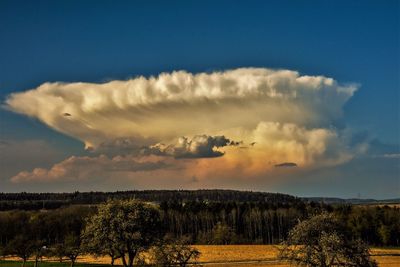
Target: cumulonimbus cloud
x,y
278,115
182,104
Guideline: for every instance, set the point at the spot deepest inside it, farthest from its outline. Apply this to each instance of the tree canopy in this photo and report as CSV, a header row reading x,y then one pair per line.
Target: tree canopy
x,y
322,241
123,228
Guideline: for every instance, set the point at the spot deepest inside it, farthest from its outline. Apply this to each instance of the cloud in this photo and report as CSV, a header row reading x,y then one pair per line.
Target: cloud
x,y
392,156
200,146
285,165
183,104
277,143
195,122
83,168
17,155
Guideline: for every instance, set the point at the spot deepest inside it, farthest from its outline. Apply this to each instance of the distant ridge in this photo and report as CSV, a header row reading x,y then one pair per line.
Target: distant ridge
x,y
354,201
34,201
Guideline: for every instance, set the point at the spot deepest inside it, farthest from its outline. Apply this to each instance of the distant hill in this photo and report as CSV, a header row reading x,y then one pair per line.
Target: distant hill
x,y
354,201
34,201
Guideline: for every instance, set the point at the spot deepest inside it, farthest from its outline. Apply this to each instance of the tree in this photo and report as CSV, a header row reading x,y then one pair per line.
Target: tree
x,y
97,245
123,227
175,253
37,232
57,251
222,234
72,248
323,241
20,246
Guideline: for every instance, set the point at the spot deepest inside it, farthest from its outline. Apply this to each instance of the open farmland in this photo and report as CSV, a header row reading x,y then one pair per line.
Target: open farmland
x,y
262,255
266,255
238,255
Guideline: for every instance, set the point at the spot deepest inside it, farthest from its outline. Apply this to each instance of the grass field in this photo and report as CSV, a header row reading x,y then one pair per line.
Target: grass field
x,y
48,264
229,255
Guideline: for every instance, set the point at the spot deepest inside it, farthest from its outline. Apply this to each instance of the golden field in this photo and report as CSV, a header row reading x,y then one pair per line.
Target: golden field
x,y
254,256
260,256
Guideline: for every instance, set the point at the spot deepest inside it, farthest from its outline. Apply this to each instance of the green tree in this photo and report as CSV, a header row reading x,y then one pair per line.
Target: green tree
x,y
322,241
123,227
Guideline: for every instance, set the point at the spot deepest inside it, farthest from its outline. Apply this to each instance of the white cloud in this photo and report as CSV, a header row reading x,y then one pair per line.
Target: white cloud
x,y
286,116
160,108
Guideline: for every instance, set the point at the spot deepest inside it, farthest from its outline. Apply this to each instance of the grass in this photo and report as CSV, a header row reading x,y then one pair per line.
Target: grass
x,y
48,264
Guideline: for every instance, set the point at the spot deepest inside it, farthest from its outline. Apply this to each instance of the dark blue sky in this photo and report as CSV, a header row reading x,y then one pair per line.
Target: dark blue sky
x,y
95,41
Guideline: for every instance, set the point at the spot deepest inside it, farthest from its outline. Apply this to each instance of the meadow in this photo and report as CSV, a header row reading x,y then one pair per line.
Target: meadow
x,y
228,255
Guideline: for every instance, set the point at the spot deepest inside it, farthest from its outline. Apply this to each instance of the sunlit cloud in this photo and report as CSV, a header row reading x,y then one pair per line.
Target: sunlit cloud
x,y
245,121
82,168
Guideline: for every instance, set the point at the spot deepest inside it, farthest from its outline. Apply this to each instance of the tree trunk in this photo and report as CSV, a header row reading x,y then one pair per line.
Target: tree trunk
x,y
130,261
23,262
132,256
112,261
72,263
36,261
124,261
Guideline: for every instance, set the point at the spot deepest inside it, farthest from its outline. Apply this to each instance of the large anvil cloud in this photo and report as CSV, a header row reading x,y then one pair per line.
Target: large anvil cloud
x,y
181,103
287,116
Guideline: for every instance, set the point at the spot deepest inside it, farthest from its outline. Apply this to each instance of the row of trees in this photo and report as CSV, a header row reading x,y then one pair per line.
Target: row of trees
x,y
67,232
265,223
232,222
129,230
35,234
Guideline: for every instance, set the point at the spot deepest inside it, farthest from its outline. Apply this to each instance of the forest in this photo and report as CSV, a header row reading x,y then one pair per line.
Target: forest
x,y
37,201
202,216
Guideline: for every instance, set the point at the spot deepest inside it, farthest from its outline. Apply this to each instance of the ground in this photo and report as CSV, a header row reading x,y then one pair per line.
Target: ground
x,y
239,255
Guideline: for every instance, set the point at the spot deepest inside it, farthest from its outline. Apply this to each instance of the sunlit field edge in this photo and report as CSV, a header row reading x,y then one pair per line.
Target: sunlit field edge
x,y
227,255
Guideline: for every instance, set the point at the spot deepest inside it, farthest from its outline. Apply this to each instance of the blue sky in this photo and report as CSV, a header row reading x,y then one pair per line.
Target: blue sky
x,y
100,41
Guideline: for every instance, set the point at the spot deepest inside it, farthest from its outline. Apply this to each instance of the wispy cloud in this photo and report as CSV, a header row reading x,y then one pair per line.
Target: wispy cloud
x,y
82,168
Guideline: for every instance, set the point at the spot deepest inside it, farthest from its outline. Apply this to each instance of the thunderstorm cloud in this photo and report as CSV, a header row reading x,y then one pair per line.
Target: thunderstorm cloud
x,y
198,120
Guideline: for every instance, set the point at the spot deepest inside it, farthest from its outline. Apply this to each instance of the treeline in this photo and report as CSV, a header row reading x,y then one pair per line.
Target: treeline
x,y
54,233
217,222
37,201
234,222
269,223
376,225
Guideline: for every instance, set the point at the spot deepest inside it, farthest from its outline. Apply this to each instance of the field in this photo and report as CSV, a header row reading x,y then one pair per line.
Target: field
x,y
265,255
48,264
238,255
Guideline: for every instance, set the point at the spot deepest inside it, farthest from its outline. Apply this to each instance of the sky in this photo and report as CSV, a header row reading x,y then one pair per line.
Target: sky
x,y
297,97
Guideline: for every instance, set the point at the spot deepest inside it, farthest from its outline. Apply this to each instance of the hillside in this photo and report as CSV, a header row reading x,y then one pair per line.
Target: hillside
x,y
35,201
